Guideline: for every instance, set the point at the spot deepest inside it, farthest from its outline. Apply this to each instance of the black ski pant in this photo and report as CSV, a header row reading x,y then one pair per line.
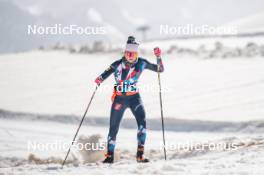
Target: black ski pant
x,y
120,104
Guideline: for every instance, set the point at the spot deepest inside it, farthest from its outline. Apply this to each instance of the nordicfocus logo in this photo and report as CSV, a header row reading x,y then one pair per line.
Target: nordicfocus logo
x,y
193,30
199,146
61,145
147,87
58,29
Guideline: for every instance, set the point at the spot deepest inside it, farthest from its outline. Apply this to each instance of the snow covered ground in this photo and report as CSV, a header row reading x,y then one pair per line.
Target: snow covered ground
x,y
44,93
246,158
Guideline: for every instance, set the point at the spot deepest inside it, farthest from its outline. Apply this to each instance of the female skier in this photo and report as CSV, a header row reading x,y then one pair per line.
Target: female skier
x,y
127,71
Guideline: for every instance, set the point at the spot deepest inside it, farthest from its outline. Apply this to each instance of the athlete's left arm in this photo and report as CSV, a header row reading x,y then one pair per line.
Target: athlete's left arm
x,y
155,67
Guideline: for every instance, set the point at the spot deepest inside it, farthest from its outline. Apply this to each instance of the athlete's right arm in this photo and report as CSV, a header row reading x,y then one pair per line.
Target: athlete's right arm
x,y
105,74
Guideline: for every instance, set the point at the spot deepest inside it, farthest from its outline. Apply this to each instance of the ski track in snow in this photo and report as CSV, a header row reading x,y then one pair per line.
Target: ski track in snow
x,y
172,124
14,159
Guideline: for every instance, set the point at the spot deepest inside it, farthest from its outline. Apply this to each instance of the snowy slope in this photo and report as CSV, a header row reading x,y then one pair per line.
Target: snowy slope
x,y
48,92
208,43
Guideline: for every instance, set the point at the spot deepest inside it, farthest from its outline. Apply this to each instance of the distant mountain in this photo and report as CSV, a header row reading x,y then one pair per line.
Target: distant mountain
x,y
13,22
120,18
249,24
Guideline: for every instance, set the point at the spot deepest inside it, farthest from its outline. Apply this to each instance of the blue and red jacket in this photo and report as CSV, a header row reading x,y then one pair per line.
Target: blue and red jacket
x,y
127,75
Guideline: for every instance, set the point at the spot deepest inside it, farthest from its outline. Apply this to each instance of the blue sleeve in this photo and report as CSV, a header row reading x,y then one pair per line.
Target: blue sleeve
x,y
109,70
154,67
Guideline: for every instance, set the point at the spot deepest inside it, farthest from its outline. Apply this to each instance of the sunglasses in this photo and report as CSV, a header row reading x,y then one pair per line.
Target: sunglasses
x,y
130,54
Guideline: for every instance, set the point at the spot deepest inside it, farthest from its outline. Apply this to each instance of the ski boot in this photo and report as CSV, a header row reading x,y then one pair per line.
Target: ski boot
x,y
140,157
142,160
109,158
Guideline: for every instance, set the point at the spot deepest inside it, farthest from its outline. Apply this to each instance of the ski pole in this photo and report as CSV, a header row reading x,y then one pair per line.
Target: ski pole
x,y
161,113
88,106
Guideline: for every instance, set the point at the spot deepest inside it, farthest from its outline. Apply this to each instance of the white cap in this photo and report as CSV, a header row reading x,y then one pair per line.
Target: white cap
x,y
132,47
